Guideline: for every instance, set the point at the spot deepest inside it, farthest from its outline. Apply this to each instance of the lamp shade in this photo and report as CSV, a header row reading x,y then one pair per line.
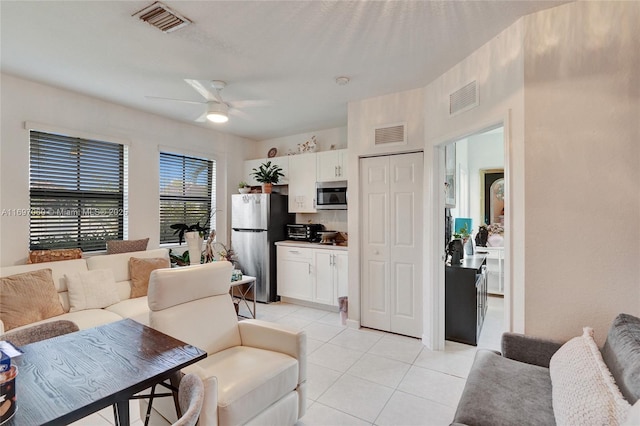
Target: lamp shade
x,y
218,112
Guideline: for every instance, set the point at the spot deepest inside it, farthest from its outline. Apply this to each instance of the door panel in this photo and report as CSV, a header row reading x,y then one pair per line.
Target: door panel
x,y
392,243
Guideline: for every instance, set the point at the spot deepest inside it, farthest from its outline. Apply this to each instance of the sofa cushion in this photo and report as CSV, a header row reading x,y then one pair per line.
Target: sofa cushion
x,y
140,270
583,390
84,319
503,392
136,309
126,246
249,380
91,290
621,353
27,298
56,255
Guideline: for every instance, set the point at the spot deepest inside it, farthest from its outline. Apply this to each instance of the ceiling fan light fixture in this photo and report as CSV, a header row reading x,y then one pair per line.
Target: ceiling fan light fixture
x,y
218,113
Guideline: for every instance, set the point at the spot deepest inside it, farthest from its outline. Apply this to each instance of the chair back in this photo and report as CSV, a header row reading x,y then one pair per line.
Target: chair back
x,y
193,304
191,398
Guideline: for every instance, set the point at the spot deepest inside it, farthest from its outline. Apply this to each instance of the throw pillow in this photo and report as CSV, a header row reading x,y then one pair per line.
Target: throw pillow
x,y
126,246
39,256
91,289
140,270
583,390
27,298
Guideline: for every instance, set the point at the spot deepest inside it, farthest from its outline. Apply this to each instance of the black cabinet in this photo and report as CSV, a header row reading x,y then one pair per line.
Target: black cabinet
x,y
465,299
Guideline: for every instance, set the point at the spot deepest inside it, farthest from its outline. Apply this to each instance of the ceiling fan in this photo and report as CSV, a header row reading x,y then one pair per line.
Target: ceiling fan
x,y
217,110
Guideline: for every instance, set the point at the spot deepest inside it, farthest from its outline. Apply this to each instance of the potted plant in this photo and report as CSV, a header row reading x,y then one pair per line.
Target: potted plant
x,y
194,235
267,174
243,187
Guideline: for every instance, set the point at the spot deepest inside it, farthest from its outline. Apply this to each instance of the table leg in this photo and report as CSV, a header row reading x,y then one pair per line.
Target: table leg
x,y
175,382
123,412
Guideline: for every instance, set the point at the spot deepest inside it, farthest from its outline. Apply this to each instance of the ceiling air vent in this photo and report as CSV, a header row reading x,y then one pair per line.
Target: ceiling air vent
x,y
161,17
464,99
391,134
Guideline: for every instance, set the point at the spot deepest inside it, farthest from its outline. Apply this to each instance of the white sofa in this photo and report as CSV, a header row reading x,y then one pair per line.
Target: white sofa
x,y
136,309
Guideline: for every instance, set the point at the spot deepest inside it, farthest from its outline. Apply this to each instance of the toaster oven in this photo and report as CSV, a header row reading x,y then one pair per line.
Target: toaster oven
x,y
304,232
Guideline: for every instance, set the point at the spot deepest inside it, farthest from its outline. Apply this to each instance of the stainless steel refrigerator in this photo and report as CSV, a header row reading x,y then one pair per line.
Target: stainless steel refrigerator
x,y
257,222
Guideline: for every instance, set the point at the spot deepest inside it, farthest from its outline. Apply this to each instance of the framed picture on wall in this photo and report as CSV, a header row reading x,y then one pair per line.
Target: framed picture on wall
x,y
450,175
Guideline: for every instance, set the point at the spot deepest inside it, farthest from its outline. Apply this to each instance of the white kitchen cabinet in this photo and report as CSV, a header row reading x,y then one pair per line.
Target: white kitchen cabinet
x,y
331,276
302,183
332,165
324,280
294,275
249,165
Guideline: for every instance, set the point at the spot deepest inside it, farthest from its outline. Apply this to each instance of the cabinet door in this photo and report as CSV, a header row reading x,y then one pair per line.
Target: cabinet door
x,y
283,162
332,165
294,274
324,277
249,165
302,183
341,264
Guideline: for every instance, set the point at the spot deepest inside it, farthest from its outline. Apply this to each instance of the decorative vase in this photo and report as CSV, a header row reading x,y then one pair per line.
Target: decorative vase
x,y
266,188
194,244
244,190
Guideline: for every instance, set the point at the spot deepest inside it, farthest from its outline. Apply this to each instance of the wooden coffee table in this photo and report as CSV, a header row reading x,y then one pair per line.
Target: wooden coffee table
x,y
66,378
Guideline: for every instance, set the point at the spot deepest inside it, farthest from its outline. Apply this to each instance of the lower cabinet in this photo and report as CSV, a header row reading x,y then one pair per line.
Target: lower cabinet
x,y
465,299
313,275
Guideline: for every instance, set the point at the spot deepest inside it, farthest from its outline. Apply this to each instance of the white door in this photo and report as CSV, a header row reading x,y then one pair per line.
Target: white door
x,y
392,243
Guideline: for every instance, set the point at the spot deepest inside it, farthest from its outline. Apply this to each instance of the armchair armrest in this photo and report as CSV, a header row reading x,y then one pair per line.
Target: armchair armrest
x,y
531,350
277,338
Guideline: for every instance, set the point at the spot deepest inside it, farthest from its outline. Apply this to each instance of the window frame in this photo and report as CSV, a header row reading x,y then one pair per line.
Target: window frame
x,y
205,217
93,206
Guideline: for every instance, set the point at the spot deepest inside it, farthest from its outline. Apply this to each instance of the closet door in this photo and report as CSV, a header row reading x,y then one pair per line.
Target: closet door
x,y
392,243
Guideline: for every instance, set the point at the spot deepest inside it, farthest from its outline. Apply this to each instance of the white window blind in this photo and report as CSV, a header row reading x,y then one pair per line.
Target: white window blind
x,y
187,192
76,189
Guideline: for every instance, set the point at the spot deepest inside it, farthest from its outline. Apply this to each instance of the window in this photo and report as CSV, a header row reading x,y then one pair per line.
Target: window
x,y
186,193
77,192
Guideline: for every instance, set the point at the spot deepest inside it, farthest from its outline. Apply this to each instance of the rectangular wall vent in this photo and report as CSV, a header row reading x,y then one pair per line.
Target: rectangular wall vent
x,y
391,134
464,99
161,17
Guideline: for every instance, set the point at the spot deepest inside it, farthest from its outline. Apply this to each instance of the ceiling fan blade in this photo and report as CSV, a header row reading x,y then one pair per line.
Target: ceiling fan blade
x,y
202,89
251,103
239,113
176,100
202,118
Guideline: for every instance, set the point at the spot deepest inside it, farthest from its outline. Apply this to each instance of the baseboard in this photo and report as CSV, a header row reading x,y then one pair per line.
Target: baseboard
x,y
353,324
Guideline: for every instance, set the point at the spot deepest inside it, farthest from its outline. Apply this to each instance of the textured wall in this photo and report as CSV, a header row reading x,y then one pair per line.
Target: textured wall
x,y
24,100
582,162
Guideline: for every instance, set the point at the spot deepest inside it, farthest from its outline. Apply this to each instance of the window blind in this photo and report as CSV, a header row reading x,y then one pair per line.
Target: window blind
x,y
186,193
76,189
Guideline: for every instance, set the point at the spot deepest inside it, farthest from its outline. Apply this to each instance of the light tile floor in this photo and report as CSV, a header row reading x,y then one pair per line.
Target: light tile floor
x,y
369,377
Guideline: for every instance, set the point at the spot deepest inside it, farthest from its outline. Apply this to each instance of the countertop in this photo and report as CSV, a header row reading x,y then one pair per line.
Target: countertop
x,y
304,244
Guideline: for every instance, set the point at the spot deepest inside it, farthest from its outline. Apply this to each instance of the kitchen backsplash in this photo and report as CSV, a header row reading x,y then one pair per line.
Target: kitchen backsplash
x,y
333,220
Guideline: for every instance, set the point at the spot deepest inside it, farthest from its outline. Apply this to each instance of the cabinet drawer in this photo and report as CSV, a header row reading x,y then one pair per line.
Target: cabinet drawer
x,y
294,253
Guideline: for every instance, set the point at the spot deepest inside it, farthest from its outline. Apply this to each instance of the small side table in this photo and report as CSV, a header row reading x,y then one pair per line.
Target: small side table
x,y
239,291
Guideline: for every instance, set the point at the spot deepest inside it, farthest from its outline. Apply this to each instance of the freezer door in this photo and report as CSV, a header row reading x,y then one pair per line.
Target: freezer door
x,y
249,211
253,254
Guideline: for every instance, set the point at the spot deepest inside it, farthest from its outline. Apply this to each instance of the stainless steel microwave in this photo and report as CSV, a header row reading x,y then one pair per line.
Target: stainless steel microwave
x,y
331,195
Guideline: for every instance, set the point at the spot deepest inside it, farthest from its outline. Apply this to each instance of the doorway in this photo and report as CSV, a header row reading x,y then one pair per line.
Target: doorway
x,y
479,171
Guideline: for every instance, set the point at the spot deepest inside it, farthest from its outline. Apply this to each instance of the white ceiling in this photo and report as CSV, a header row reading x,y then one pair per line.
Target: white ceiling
x,y
285,52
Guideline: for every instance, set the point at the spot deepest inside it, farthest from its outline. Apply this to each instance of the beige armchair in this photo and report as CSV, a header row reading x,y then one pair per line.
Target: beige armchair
x,y
255,372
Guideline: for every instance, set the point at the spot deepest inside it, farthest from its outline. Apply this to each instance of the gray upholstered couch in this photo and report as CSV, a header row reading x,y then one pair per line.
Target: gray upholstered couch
x,y
514,388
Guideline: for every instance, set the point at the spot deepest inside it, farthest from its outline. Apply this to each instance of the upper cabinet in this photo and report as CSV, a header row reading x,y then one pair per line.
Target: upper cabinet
x,y
302,185
249,165
331,165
